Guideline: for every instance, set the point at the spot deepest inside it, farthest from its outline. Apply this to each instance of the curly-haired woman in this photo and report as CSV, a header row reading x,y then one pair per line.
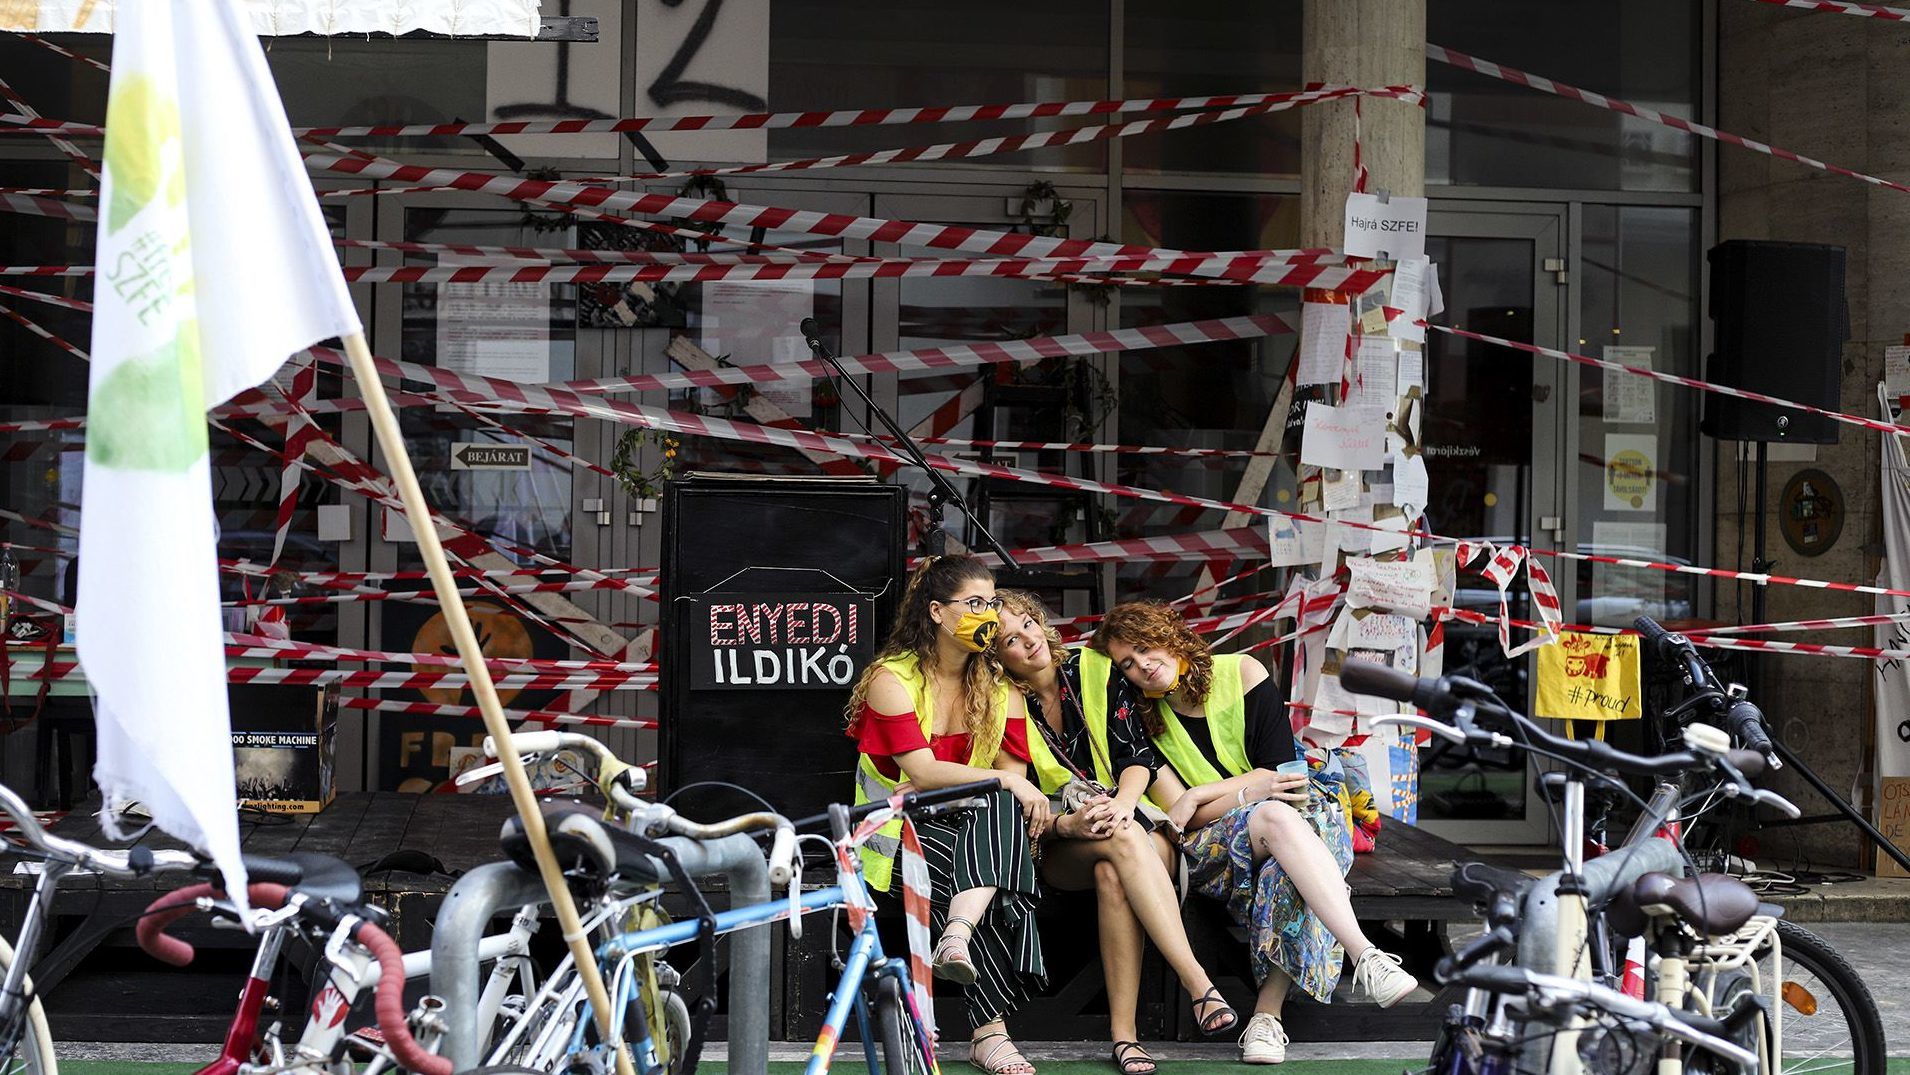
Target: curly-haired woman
x,y
1084,727
933,711
1221,724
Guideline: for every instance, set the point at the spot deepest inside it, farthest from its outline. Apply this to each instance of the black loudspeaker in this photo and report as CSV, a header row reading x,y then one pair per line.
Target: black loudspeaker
x,y
776,594
1781,327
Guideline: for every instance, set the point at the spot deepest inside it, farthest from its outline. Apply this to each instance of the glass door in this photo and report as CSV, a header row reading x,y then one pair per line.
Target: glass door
x,y
1050,400
1493,435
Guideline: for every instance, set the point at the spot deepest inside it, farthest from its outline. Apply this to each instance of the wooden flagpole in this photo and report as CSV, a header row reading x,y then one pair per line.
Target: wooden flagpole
x,y
385,423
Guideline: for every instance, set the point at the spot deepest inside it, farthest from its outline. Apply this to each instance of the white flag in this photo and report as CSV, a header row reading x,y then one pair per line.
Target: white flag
x,y
214,267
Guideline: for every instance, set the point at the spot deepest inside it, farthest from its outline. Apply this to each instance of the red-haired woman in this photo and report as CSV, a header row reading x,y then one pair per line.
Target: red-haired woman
x,y
933,711
1084,727
1221,724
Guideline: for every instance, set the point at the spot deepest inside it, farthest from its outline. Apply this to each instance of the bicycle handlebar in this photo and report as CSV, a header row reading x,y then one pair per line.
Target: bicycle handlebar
x,y
1741,718
614,779
1457,699
1551,991
131,862
912,801
390,990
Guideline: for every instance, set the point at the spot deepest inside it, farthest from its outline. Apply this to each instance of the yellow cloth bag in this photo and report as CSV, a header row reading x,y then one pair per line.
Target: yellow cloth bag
x,y
1590,677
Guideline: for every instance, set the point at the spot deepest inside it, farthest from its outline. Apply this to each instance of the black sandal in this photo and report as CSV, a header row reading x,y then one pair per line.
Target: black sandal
x,y
1124,1058
1214,1023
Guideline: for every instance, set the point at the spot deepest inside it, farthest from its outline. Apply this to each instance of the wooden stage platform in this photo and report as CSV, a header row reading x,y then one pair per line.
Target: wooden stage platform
x,y
97,985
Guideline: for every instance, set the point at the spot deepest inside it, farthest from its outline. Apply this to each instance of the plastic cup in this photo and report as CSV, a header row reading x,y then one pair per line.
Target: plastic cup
x,y
1297,767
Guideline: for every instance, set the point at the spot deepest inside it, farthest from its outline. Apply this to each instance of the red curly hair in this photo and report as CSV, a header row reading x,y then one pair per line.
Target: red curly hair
x,y
1153,625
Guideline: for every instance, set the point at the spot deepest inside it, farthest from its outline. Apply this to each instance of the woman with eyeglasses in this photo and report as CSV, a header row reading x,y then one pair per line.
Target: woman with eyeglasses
x,y
931,710
1085,733
1262,833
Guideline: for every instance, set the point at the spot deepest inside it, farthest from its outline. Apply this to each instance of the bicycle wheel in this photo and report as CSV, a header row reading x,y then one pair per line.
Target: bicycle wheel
x,y
33,1054
1830,1022
901,1040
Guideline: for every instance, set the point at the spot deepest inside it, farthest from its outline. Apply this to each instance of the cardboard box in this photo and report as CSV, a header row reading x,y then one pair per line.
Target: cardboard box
x,y
283,739
1893,820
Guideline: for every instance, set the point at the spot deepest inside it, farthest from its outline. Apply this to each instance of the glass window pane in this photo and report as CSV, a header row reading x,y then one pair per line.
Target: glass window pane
x,y
1638,306
1215,395
831,54
1180,50
1484,132
340,81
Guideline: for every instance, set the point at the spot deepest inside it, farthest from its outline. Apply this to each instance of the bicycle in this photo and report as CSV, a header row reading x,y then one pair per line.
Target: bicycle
x,y
1711,925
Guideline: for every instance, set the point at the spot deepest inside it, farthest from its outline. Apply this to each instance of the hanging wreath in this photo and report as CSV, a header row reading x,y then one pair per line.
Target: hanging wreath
x,y
1055,221
642,484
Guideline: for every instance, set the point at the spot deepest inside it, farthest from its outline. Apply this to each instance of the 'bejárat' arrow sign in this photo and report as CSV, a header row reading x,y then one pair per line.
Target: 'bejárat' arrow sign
x,y
465,456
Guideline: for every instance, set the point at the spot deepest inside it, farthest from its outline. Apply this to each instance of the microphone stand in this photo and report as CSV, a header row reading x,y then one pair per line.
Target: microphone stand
x,y
941,492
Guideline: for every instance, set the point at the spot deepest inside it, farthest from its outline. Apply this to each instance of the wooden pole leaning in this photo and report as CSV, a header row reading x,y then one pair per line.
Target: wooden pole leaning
x,y
385,423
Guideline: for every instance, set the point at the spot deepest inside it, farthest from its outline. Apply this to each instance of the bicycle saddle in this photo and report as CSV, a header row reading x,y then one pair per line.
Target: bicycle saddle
x,y
1715,903
316,876
585,845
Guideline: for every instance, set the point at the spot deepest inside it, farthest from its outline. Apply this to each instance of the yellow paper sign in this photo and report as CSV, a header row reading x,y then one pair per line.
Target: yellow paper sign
x,y
1590,677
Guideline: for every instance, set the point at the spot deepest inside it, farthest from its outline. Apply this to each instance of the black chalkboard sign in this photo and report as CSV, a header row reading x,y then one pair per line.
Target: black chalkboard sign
x,y
780,541
758,641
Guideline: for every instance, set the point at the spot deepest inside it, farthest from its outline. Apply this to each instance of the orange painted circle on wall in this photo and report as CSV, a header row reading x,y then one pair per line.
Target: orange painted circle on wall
x,y
500,634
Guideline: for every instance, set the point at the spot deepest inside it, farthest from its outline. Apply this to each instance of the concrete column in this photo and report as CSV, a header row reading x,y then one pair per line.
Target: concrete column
x,y
1830,88
1368,43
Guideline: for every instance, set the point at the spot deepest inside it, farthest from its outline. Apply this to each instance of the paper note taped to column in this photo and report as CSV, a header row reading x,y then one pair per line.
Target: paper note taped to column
x,y
1394,229
1590,677
1402,586
1340,438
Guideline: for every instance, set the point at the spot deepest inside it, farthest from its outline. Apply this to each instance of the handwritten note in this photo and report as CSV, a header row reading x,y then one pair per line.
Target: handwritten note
x,y
1323,328
1342,439
1401,586
1893,819
1341,489
1391,534
1295,542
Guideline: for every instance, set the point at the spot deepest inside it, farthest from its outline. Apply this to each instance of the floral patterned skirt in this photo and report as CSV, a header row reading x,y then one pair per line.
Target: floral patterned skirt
x,y
1282,933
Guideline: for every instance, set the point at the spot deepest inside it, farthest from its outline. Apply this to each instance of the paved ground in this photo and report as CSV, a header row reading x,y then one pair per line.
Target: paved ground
x,y
1880,951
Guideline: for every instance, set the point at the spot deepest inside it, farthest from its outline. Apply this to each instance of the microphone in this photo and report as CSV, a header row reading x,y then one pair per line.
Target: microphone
x,y
811,332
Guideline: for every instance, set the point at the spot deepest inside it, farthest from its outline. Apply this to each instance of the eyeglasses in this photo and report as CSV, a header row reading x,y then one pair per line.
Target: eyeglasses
x,y
978,605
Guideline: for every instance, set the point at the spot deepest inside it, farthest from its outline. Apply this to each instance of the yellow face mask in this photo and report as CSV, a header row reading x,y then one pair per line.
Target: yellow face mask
x,y
1180,669
976,631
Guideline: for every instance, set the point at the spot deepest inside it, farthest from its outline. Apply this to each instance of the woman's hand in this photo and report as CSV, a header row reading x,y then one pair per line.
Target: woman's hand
x,y
1096,819
1034,805
1290,788
1181,814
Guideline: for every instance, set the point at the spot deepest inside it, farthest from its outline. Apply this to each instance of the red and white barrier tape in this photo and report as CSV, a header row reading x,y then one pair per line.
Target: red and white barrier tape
x,y
38,330
1573,93
371,679
259,647
1272,267
36,39
1832,624
916,891
526,716
567,193
1873,11
1672,378
32,205
853,117
1078,446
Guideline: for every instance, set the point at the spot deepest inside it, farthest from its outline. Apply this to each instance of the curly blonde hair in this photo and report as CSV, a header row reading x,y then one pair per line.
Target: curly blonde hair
x,y
1023,603
1153,625
913,635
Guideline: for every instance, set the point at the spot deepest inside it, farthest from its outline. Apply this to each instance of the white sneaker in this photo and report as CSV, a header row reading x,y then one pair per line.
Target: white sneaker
x,y
1382,978
1264,1041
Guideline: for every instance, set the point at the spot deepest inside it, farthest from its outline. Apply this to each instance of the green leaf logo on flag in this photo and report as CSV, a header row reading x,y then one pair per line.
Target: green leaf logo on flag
x,y
144,120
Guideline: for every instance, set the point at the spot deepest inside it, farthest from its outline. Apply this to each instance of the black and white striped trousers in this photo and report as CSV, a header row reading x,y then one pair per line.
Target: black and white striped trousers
x,y
988,846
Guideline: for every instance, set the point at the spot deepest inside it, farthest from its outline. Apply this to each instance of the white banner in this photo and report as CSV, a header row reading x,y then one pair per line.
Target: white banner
x,y
1893,677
